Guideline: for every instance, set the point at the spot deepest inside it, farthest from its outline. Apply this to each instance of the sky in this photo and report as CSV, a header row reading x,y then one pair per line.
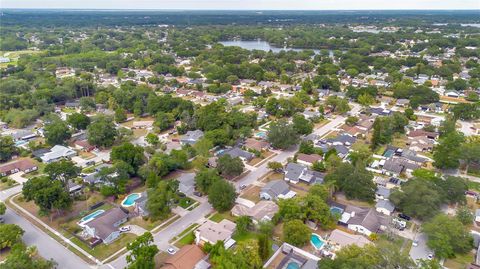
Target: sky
x,y
244,4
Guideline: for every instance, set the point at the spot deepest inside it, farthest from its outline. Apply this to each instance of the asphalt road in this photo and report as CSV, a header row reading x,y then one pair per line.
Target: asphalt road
x,y
421,251
47,247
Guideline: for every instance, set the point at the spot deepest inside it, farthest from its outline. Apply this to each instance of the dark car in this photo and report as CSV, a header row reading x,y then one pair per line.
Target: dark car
x,y
196,193
403,216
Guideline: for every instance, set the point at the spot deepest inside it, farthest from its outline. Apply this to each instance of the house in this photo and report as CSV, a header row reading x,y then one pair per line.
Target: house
x,y
56,153
421,133
308,159
145,124
83,145
402,102
385,207
24,165
308,114
342,239
191,137
420,144
141,205
288,256
261,211
24,135
276,189
382,193
363,220
188,257
106,226
295,172
257,145
240,153
452,93
211,232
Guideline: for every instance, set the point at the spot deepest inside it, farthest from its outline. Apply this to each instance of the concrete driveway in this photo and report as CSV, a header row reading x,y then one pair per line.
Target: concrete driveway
x,y
18,177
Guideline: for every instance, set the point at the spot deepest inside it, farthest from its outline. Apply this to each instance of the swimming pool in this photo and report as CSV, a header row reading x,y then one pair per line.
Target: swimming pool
x,y
130,199
316,241
90,216
293,265
336,211
261,134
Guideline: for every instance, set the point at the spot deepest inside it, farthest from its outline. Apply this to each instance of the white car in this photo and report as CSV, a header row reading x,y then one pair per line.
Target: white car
x,y
430,256
415,243
125,228
171,250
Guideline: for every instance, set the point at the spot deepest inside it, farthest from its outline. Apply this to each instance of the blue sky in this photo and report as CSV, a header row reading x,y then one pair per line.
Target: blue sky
x,y
244,4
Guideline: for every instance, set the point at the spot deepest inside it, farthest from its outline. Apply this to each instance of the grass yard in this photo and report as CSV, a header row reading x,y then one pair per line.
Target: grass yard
x,y
7,183
185,240
252,193
217,217
14,55
185,202
103,251
244,236
147,224
273,176
460,261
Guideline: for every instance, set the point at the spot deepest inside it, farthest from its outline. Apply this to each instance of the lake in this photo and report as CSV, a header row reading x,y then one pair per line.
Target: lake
x,y
263,45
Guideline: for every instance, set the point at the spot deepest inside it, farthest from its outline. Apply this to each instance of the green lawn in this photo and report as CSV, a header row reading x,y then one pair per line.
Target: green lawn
x,y
217,217
7,183
103,251
186,240
185,202
460,261
244,236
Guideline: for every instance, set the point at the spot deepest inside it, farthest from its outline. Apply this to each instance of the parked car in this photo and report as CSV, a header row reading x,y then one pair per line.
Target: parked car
x,y
403,216
2,220
171,250
243,187
197,193
415,243
430,256
125,228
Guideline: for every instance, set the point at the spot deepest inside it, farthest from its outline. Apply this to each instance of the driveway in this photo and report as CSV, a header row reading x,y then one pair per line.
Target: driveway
x,y
421,251
18,177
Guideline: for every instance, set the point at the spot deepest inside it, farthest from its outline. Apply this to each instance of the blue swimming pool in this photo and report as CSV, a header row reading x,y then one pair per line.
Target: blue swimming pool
x,y
293,265
336,210
316,241
91,216
130,199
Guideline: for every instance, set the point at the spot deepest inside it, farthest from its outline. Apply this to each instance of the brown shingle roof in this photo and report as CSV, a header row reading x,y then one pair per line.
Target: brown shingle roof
x,y
186,258
21,165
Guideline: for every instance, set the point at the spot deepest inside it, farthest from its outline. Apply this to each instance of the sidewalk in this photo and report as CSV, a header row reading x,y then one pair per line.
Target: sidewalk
x,y
48,228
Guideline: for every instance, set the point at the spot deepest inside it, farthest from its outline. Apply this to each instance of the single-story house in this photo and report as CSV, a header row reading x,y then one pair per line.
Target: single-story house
x,y
402,102
385,207
276,189
191,137
211,232
363,220
382,193
262,211
142,124
258,145
286,253
342,239
188,257
308,159
240,153
23,165
106,225
295,172
56,153
83,145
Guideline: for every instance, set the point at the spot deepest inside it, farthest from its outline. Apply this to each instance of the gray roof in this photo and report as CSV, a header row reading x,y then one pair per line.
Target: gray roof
x,y
341,149
344,139
366,217
382,191
191,137
276,187
385,204
104,224
238,152
294,171
393,166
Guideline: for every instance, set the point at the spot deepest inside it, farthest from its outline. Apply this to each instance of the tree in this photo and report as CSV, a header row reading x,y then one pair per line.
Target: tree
x,y
230,167
448,152
21,257
386,255
11,234
275,166
152,139
78,121
222,195
418,198
302,125
447,236
464,215
120,115
295,232
244,224
158,203
47,194
57,132
129,153
7,148
366,99
63,171
452,189
164,121
3,208
470,151
282,135
101,132
205,178
142,252
355,181
337,104
263,246
203,146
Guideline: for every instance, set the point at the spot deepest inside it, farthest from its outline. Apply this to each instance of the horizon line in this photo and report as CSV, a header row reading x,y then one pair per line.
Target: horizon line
x,y
200,9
